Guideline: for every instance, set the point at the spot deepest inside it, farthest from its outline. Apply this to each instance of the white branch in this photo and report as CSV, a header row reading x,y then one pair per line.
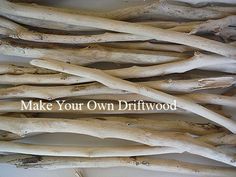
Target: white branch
x,y
152,164
14,30
91,54
83,151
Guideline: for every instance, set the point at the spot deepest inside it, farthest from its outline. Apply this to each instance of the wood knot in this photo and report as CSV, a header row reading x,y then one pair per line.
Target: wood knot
x,y
30,160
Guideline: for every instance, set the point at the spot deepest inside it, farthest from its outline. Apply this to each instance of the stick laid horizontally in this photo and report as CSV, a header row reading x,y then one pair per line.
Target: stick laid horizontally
x,y
84,151
91,54
108,129
13,30
153,164
30,11
118,151
197,61
117,83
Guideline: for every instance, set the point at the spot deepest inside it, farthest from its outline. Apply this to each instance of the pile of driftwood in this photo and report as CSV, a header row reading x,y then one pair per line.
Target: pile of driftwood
x,y
157,52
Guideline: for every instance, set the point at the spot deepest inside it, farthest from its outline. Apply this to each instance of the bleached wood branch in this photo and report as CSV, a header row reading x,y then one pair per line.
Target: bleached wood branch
x,y
104,129
174,86
210,133
14,30
197,61
153,164
83,151
208,62
117,83
122,151
92,54
34,12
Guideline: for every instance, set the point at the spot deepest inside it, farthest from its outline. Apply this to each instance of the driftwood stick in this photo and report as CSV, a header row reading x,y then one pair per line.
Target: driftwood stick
x,y
123,151
209,133
27,161
92,54
180,26
197,61
155,124
104,129
14,30
117,83
83,151
173,86
114,25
